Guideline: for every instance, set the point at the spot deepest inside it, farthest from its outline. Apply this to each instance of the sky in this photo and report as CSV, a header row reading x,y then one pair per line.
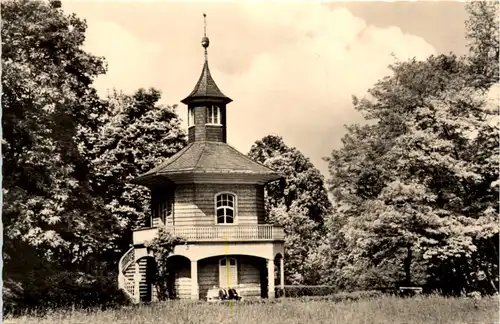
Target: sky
x,y
291,68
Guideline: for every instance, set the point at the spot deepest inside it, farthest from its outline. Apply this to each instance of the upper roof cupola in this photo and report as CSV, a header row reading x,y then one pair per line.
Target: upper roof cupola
x,y
206,104
207,158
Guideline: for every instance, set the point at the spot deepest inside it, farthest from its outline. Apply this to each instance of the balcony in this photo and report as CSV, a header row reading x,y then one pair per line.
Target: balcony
x,y
222,233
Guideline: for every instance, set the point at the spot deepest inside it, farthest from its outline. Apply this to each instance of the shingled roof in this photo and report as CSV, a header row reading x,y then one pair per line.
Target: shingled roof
x,y
209,158
206,88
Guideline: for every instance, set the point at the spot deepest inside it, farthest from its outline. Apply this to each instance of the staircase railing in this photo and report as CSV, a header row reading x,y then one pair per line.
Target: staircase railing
x,y
125,283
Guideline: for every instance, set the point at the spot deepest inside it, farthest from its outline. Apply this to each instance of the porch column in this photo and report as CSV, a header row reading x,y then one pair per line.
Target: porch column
x,y
194,280
137,282
270,278
282,273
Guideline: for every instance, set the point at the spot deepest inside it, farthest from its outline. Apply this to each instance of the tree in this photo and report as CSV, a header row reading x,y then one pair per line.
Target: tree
x,y
134,134
52,221
482,33
47,93
303,184
299,205
417,189
420,183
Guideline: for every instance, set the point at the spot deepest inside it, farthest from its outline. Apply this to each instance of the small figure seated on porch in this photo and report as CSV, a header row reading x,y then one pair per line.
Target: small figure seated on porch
x,y
233,294
220,294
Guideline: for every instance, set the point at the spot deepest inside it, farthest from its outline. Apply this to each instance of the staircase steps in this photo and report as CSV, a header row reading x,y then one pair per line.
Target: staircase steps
x,y
129,274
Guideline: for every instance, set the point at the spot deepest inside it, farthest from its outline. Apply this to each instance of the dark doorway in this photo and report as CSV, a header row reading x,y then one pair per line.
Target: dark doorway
x,y
150,279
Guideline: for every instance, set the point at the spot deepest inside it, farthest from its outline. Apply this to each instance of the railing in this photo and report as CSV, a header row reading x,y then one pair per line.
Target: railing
x,y
228,232
216,233
124,283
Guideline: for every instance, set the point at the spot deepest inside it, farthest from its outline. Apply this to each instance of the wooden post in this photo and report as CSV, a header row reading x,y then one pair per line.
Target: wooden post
x,y
270,278
282,274
194,280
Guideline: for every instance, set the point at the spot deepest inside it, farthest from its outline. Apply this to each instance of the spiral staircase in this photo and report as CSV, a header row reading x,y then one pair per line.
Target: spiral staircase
x,y
133,285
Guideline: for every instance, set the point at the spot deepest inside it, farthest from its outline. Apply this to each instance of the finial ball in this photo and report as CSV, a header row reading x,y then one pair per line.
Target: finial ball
x,y
205,42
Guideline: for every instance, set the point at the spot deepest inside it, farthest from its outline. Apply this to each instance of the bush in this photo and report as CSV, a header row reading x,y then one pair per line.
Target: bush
x,y
64,289
327,293
300,291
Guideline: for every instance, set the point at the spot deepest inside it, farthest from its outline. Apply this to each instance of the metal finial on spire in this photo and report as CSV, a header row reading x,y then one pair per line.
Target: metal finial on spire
x,y
205,25
205,41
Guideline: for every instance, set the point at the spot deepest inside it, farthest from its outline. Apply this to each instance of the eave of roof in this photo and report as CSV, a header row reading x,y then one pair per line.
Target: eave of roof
x,y
209,158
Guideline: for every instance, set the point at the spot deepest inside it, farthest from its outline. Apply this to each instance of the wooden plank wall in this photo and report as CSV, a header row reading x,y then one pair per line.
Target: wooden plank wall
x,y
249,269
195,204
208,275
183,283
164,196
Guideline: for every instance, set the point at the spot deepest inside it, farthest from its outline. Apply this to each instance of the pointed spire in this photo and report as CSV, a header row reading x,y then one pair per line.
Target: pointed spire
x,y
206,88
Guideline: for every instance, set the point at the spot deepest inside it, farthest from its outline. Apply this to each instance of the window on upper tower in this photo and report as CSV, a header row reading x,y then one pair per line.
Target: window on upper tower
x,y
191,117
225,206
213,115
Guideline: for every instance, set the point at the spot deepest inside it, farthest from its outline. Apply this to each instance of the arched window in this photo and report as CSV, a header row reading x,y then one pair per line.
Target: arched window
x,y
225,205
213,115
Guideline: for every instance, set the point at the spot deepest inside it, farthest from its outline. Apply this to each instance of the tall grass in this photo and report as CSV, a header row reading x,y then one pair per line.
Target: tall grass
x,y
386,309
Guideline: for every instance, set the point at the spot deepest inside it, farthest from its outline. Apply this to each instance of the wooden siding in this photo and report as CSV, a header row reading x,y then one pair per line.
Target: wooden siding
x,y
208,275
191,136
162,204
249,275
185,210
259,205
183,282
195,204
200,113
215,133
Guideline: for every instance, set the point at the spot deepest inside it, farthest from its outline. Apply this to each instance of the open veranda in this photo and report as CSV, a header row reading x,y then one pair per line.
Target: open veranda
x,y
385,309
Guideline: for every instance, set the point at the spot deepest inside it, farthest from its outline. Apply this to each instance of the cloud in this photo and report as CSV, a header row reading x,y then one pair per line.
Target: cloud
x,y
131,62
290,68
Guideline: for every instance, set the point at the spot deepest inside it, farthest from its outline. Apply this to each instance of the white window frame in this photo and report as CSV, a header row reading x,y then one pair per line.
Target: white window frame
x,y
234,208
191,117
211,120
223,270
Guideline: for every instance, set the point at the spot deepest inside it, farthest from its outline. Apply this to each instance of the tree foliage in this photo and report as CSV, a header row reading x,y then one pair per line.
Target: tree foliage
x,y
52,220
482,34
162,246
134,133
304,184
68,155
416,191
47,94
299,205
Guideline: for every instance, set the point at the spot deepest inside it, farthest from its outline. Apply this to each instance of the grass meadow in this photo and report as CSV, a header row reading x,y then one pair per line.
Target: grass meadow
x,y
386,309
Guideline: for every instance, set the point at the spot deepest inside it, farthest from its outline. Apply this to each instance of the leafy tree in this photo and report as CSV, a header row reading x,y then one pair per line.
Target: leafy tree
x,y
303,184
134,134
420,183
482,33
51,218
47,94
416,189
299,204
